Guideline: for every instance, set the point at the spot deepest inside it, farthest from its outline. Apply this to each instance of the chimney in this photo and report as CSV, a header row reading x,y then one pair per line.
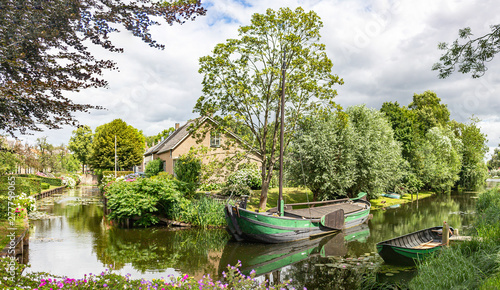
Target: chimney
x,y
176,126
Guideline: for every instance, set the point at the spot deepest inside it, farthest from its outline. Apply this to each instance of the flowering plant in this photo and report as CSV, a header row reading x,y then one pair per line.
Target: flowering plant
x,y
234,279
27,202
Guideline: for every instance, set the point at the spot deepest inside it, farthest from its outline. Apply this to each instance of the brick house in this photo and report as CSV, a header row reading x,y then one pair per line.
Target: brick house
x,y
182,140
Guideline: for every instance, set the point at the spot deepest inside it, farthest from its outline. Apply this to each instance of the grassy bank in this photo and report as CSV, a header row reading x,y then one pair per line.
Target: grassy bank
x,y
20,225
470,265
297,195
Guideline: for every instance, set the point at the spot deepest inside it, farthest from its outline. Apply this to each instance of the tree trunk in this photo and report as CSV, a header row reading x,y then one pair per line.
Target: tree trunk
x,y
263,194
83,168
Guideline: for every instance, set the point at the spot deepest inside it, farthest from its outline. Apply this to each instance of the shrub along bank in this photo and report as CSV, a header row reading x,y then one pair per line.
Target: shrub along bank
x,y
145,200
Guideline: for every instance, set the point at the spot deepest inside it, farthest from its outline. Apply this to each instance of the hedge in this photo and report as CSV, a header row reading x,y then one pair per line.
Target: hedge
x,y
45,186
49,180
23,184
118,173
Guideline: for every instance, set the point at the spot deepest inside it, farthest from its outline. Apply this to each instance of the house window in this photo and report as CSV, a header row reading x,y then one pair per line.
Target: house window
x,y
214,139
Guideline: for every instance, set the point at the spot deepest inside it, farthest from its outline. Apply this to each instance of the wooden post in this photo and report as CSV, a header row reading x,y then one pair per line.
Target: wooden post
x,y
446,234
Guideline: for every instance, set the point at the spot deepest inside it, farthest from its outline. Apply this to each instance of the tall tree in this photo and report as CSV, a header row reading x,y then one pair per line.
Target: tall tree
x,y
438,160
44,52
242,79
403,123
152,140
80,144
474,171
129,146
471,56
379,163
46,154
322,157
429,111
494,162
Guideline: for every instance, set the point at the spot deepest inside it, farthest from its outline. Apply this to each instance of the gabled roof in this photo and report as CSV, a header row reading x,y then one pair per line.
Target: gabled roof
x,y
172,141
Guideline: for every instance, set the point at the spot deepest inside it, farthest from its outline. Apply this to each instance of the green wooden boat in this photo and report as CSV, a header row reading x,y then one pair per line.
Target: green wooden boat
x,y
407,249
297,224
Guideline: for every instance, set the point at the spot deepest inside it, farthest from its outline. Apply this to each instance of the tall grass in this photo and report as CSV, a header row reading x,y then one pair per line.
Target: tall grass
x,y
203,212
471,265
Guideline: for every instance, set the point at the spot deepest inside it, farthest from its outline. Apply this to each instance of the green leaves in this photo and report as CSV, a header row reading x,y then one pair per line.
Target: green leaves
x,y
469,57
142,198
242,79
129,146
44,52
336,157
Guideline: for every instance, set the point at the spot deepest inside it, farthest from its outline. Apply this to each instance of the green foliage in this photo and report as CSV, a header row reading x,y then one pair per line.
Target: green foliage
x,y
242,80
28,185
347,153
379,164
129,146
494,162
429,111
46,53
80,144
45,186
8,160
143,199
118,173
404,125
438,160
470,57
323,156
474,172
203,212
154,167
188,169
488,210
246,176
236,190
459,267
50,180
153,140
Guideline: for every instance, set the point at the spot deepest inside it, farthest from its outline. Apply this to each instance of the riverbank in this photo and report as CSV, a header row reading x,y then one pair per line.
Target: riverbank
x,y
299,195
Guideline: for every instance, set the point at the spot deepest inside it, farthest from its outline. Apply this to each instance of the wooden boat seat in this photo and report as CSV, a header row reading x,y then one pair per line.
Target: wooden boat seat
x,y
428,245
318,212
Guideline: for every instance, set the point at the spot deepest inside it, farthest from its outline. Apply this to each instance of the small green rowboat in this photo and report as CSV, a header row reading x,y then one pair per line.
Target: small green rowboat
x,y
296,224
407,249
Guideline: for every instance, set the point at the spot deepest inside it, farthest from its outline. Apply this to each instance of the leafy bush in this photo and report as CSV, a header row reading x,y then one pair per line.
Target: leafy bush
x,y
45,186
247,176
236,190
154,167
118,173
143,199
28,185
188,169
211,186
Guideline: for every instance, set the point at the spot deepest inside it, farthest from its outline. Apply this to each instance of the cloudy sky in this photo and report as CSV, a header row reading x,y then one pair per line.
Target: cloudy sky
x,y
384,51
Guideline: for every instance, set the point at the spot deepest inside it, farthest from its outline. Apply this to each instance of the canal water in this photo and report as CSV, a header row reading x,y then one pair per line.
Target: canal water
x,y
73,239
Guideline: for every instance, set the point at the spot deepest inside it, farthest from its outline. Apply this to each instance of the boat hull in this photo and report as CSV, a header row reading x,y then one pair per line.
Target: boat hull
x,y
404,250
245,225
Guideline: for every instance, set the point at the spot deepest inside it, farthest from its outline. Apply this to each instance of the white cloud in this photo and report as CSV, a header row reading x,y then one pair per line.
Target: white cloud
x,y
384,51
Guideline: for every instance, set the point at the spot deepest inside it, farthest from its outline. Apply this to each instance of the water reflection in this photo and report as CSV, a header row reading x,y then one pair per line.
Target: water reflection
x,y
77,240
265,259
